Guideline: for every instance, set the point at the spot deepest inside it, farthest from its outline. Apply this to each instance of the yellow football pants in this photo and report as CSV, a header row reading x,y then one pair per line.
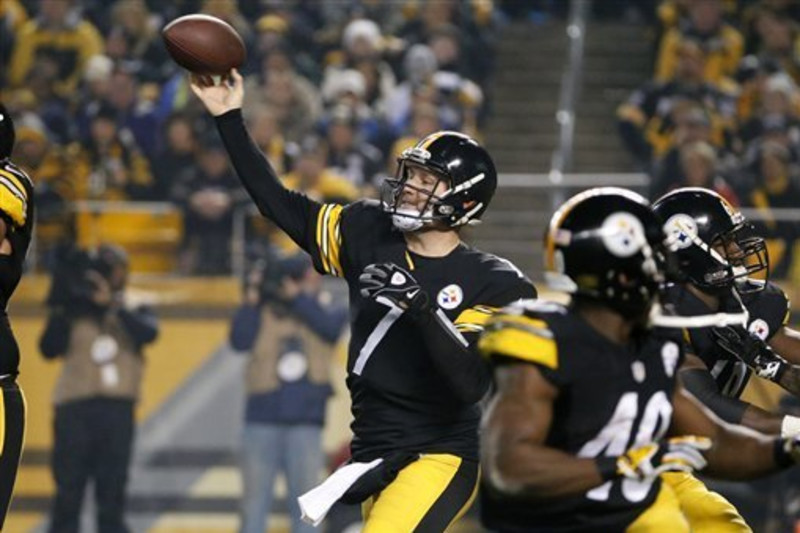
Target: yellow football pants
x,y
430,494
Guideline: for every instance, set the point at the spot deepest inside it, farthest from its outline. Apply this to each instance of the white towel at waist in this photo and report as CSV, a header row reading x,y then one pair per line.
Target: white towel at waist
x,y
316,503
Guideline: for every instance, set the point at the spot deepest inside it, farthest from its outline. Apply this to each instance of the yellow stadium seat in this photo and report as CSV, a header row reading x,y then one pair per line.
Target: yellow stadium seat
x,y
151,233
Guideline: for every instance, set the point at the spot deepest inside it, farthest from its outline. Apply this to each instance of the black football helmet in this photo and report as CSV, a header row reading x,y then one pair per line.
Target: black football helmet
x,y
716,247
7,135
458,160
606,244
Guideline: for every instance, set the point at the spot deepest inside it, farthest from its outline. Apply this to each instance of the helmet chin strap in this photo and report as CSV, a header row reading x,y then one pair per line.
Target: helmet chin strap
x,y
408,220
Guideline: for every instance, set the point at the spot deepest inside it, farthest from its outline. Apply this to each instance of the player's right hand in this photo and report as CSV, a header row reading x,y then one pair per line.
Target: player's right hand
x,y
679,454
219,99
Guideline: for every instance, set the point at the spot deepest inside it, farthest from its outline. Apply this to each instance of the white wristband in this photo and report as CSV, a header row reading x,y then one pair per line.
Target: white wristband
x,y
790,426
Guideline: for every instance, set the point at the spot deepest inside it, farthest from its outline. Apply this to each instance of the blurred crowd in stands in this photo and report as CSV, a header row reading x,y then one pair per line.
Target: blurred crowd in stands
x,y
722,110
335,91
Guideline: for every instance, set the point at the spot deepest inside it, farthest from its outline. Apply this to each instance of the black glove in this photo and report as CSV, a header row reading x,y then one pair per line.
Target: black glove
x,y
391,285
753,351
377,479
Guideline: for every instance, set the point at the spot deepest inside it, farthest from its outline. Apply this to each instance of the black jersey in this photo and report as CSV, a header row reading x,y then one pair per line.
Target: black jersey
x,y
611,398
16,209
400,401
768,311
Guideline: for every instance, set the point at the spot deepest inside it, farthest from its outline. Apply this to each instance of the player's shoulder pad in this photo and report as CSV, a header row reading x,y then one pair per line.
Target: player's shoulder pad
x,y
14,193
774,303
523,331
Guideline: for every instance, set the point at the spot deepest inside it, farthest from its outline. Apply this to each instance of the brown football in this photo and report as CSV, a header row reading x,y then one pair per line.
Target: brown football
x,y
204,44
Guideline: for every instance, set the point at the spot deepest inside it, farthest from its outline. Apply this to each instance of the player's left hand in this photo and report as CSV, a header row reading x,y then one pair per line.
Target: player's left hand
x,y
678,454
391,285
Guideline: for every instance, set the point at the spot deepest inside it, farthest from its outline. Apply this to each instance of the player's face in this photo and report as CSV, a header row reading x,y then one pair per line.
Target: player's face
x,y
419,186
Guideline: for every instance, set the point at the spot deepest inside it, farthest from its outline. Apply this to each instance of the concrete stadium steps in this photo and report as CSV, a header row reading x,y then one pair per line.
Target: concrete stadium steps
x,y
521,134
617,59
514,226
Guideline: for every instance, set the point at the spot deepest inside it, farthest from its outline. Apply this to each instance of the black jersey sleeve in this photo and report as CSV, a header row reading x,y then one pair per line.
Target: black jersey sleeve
x,y
313,226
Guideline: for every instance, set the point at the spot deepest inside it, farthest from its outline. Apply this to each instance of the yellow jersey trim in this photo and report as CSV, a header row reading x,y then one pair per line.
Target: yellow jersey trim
x,y
329,238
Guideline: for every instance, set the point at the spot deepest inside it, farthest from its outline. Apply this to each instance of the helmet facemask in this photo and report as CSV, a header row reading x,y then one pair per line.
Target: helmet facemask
x,y
746,256
737,258
408,218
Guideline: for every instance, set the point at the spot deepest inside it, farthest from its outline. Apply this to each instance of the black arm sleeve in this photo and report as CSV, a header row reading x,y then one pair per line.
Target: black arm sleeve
x,y
291,211
55,339
459,362
702,385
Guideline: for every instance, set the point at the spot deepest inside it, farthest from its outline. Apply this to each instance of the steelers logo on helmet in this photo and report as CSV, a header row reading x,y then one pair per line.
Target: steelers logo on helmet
x,y
623,234
681,231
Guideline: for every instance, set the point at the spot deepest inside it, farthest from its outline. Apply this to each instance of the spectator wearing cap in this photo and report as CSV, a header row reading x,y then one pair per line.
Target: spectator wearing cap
x,y
208,193
291,97
721,42
362,50
419,66
348,155
59,35
776,185
348,88
110,165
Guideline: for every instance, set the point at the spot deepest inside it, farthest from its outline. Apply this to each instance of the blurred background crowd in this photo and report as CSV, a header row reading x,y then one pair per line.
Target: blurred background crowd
x,y
721,109
335,91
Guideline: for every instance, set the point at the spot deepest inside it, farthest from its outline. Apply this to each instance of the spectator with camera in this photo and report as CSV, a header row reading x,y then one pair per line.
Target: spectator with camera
x,y
100,340
288,326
